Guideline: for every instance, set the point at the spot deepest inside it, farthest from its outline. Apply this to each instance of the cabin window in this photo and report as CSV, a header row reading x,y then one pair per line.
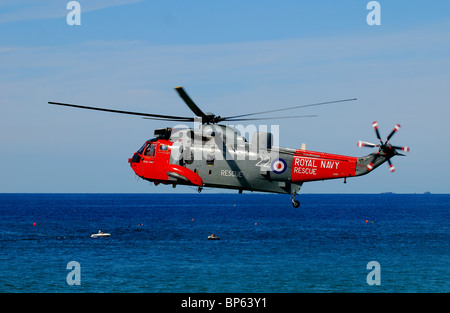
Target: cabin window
x,y
163,147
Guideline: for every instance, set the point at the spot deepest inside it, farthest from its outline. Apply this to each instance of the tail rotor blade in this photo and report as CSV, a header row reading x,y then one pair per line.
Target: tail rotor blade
x,y
361,144
391,166
375,126
405,148
396,128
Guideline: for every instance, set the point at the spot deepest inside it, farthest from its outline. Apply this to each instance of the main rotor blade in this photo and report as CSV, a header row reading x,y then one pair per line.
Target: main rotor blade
x,y
189,119
267,118
194,108
166,117
285,109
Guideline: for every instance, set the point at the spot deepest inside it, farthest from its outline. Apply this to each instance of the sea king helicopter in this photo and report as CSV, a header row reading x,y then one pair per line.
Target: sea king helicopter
x,y
216,155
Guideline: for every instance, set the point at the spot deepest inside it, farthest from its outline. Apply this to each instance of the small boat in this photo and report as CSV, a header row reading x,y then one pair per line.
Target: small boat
x,y
213,237
100,234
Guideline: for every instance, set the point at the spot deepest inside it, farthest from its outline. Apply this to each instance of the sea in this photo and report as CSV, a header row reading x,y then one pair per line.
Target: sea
x,y
332,243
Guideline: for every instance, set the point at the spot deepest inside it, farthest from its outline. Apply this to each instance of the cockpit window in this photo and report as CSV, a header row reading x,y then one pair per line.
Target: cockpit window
x,y
141,149
150,149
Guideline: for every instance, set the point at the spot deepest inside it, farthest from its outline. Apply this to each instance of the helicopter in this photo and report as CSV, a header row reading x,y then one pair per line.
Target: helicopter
x,y
212,154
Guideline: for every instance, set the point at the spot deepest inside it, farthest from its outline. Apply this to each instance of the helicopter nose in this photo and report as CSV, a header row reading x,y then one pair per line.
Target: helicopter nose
x,y
135,164
135,159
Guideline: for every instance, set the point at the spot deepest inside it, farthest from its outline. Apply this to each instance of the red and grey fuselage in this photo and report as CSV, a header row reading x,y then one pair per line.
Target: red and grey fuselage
x,y
175,157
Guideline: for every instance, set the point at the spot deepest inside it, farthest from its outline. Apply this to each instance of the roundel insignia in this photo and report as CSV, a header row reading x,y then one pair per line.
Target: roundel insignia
x,y
278,166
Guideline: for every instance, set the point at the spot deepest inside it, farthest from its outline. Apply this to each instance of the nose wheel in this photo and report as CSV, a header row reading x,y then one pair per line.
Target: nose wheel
x,y
295,203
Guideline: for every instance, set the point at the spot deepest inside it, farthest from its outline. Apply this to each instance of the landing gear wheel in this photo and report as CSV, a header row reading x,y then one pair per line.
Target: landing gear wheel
x,y
295,203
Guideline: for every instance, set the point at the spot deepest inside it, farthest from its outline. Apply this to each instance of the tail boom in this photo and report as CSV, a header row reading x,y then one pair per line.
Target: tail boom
x,y
313,166
368,163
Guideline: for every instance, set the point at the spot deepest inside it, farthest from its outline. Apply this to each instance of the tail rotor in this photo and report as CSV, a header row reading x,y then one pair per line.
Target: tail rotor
x,y
385,148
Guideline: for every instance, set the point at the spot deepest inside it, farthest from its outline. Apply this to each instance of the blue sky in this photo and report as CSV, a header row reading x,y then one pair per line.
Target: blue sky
x,y
232,57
